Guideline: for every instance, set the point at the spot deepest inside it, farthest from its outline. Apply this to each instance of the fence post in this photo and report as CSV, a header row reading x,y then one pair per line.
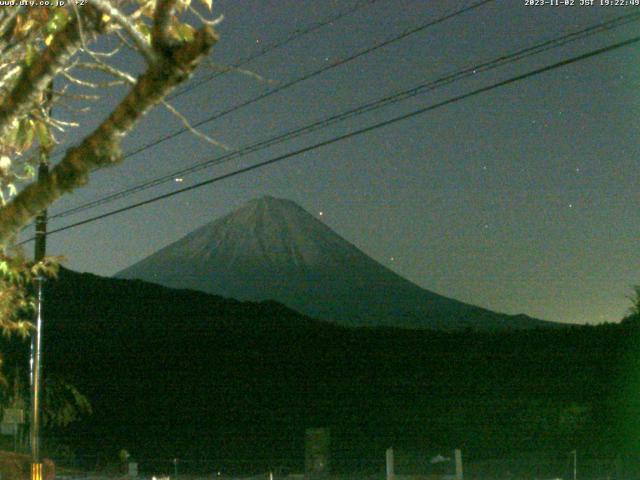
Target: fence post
x,y
390,470
458,455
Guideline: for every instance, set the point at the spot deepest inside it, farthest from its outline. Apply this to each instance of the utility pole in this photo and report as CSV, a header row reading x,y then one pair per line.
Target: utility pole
x,y
36,338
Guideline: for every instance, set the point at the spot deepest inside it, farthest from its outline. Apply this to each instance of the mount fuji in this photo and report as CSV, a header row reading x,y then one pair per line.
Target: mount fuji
x,y
272,249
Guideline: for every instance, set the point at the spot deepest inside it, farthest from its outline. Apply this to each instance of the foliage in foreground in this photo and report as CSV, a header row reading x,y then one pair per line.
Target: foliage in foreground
x,y
63,59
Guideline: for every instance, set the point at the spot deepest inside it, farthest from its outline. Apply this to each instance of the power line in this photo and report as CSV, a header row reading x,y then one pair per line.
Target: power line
x,y
270,48
355,133
310,75
305,77
293,36
371,106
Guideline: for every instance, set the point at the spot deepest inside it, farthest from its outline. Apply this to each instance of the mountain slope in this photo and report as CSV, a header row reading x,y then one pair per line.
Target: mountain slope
x,y
273,249
231,386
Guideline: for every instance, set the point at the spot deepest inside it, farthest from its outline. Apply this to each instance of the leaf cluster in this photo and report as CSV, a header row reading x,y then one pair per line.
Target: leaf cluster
x,y
17,302
26,35
63,403
44,53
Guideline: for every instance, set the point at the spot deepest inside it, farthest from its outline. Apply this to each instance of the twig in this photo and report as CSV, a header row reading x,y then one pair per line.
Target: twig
x,y
212,23
110,69
94,85
138,39
102,147
192,129
60,124
111,53
35,78
79,96
242,71
10,74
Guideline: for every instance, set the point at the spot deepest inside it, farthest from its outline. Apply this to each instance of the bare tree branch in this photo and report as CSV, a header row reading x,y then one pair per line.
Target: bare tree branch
x,y
191,128
212,23
8,20
161,21
34,79
125,77
76,96
121,19
101,148
94,85
9,75
109,69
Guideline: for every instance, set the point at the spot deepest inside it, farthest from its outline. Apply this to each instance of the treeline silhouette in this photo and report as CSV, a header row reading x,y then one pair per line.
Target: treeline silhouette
x,y
185,374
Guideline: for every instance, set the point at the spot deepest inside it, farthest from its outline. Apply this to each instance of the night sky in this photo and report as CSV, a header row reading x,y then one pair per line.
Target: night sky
x,y
522,200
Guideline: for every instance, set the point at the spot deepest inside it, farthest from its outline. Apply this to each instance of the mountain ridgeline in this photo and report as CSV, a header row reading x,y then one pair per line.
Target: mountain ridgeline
x,y
231,386
272,249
